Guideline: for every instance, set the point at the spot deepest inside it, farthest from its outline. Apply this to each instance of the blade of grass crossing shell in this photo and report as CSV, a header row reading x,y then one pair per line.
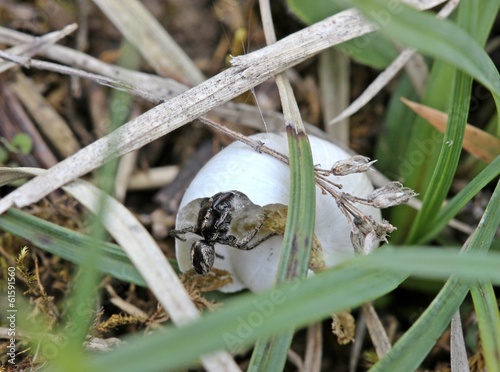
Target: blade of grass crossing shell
x,y
422,335
301,211
270,354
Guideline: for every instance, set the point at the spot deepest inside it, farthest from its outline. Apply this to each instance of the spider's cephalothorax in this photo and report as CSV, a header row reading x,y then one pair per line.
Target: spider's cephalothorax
x,y
228,218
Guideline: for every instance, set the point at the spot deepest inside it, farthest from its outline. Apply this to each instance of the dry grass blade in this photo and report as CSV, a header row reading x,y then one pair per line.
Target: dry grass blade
x,y
153,178
383,79
314,348
126,166
334,72
477,142
248,71
100,79
150,38
53,126
142,250
376,330
375,87
458,350
160,87
36,45
156,87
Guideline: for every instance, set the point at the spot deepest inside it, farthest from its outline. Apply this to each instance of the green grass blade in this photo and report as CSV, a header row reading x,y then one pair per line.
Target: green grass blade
x,y
420,338
440,39
270,354
69,244
449,156
486,307
451,209
438,264
416,166
83,299
395,136
451,147
425,331
250,316
301,210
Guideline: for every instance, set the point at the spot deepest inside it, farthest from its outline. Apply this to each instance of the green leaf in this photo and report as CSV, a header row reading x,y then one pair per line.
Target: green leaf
x,y
451,146
4,155
449,156
417,167
456,203
313,11
271,354
420,338
395,136
250,316
440,39
22,143
373,50
69,244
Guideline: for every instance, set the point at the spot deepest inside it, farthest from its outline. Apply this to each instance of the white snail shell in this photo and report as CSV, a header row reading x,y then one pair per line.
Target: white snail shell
x,y
266,180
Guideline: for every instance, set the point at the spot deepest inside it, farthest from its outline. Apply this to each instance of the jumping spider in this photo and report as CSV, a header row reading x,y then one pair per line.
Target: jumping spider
x,y
229,218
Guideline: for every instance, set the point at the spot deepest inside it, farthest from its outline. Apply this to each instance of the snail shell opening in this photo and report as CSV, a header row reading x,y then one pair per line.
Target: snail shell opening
x,y
266,180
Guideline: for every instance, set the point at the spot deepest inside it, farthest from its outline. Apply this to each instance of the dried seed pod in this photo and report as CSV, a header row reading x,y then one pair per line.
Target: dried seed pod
x,y
265,180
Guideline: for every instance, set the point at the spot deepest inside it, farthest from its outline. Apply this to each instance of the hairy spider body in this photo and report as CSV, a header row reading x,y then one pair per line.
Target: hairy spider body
x,y
229,218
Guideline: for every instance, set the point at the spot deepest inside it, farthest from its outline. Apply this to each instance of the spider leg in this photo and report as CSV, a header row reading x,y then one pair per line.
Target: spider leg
x,y
243,244
248,247
232,241
177,233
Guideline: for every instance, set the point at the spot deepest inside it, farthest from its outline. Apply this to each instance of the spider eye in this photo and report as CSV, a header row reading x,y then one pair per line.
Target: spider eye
x,y
222,201
202,256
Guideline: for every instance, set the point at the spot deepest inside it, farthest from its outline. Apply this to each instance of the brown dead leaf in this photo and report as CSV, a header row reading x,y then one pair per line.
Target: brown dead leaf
x,y
477,142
